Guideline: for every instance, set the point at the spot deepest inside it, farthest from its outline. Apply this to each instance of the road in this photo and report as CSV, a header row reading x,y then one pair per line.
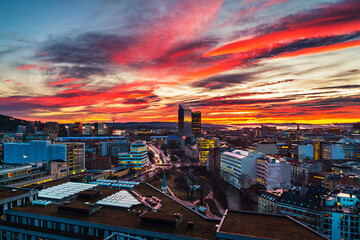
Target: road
x,y
159,153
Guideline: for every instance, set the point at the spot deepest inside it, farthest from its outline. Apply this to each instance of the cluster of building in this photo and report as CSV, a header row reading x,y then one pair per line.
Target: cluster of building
x,y
311,175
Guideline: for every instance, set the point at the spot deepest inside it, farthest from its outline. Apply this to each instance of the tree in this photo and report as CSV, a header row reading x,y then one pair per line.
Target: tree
x,y
181,182
203,192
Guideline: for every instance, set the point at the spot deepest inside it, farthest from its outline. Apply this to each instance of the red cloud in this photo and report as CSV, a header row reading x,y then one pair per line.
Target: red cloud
x,y
64,80
332,20
75,86
26,67
9,80
323,49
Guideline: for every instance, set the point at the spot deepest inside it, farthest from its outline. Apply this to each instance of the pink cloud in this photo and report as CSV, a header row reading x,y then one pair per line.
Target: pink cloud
x,y
26,67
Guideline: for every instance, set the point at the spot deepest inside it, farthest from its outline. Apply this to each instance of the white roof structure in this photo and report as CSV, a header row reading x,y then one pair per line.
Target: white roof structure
x,y
64,190
121,199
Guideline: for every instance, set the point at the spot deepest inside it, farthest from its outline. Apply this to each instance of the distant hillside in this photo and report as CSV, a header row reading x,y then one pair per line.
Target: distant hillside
x,y
9,124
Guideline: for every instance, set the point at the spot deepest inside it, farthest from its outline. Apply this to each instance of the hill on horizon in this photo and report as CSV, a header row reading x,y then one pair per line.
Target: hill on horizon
x,y
10,124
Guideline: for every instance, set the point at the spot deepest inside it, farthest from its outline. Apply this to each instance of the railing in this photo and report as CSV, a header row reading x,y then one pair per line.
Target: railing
x,y
121,236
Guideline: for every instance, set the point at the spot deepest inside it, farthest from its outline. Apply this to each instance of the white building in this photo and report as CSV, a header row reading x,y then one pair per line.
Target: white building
x,y
273,173
239,167
34,151
305,152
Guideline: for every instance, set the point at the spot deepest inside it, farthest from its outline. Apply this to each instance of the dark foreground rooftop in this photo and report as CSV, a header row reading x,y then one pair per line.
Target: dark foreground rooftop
x,y
203,228
267,226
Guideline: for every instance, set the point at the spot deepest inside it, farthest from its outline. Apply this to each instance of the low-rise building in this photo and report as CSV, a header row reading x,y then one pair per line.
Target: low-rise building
x,y
267,201
12,197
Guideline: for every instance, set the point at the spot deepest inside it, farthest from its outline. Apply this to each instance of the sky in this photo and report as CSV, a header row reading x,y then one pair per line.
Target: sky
x,y
238,62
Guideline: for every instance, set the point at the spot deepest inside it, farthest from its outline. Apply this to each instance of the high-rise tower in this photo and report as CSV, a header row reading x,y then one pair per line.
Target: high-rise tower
x,y
196,124
184,121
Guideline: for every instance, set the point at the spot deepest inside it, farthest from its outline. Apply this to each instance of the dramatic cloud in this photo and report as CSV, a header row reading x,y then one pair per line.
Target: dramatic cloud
x,y
235,61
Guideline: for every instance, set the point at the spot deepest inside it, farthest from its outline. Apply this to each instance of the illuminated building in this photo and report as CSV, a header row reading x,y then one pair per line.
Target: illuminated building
x,y
334,130
239,164
184,121
317,150
273,173
204,146
351,148
137,158
27,174
332,152
34,151
99,129
196,124
77,129
118,146
88,129
75,155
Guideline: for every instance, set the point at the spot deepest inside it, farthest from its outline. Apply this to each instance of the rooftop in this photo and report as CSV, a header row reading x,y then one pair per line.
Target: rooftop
x,y
8,192
123,218
267,226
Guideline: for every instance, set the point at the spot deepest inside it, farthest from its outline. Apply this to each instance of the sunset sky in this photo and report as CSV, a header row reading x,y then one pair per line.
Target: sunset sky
x,y
250,61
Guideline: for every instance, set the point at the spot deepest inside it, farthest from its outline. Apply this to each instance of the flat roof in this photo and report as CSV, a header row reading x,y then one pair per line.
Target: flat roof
x,y
8,192
268,226
203,228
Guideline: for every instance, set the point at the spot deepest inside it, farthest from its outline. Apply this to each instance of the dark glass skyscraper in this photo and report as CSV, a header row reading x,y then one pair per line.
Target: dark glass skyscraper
x,y
196,124
184,121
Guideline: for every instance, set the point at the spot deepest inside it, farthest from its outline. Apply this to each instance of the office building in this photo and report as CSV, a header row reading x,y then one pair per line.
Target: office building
x,y
34,151
351,148
184,121
75,156
239,167
305,152
273,173
118,146
77,128
137,158
99,129
88,129
27,174
300,171
333,151
204,146
196,124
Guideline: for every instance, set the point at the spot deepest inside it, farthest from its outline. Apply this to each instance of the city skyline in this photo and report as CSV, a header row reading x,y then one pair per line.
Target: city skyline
x,y
269,61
